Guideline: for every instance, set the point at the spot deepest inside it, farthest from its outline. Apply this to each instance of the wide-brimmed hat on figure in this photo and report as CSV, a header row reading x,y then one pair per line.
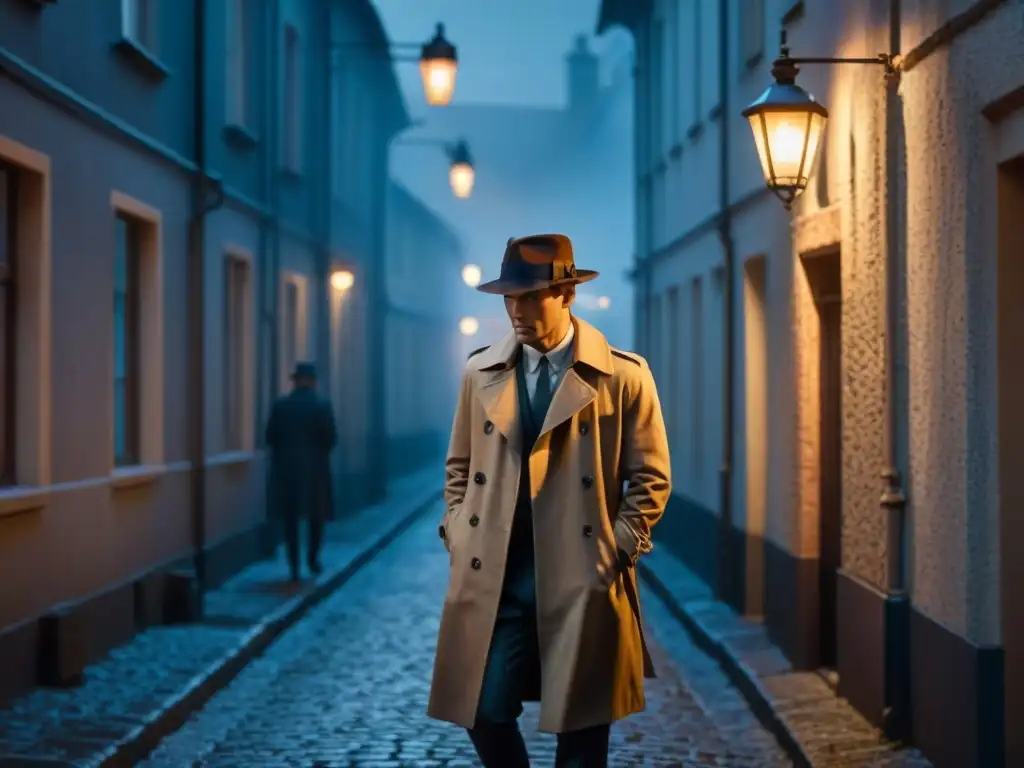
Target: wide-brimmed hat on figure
x,y
304,371
536,262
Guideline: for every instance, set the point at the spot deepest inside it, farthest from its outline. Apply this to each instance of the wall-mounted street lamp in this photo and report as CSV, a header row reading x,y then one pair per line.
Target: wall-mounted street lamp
x,y
438,62
472,275
468,326
462,174
342,280
788,123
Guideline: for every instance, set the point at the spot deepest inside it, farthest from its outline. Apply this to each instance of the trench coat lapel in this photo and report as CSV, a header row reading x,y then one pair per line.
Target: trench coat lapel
x,y
572,396
498,393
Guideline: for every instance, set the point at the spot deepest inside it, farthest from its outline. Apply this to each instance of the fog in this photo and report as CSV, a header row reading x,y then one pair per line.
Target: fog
x,y
549,134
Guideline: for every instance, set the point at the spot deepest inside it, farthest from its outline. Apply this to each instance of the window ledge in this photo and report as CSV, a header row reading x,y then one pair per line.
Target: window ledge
x,y
22,498
230,458
240,136
142,474
149,64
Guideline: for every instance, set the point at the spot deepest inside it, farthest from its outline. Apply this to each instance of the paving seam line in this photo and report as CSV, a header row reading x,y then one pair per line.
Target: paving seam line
x,y
172,716
741,676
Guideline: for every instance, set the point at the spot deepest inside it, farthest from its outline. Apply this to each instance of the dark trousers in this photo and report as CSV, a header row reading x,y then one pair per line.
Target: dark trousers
x,y
314,530
511,675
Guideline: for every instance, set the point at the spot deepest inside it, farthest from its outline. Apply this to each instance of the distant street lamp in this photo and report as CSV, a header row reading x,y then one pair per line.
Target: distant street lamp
x,y
437,59
468,326
471,275
604,302
788,123
438,66
462,174
342,280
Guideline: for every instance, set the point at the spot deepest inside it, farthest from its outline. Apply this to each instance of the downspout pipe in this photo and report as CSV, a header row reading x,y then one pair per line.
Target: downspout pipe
x,y
724,583
323,326
203,203
896,715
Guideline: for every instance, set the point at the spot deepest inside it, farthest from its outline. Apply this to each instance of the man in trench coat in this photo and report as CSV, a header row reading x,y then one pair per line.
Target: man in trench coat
x,y
557,469
301,434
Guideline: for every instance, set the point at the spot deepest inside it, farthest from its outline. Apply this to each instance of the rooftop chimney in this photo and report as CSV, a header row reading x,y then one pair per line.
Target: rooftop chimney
x,y
582,70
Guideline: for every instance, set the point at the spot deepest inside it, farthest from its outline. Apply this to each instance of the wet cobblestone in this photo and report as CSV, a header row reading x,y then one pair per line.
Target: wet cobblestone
x,y
348,687
832,733
135,682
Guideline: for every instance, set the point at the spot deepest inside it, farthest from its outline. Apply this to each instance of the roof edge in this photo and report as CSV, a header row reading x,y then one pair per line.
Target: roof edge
x,y
395,107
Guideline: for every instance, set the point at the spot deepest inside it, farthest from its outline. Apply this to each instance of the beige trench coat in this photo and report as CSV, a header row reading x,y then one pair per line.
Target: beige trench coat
x,y
599,476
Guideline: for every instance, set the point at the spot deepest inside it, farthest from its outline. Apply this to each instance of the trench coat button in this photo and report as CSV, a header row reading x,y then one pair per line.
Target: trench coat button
x,y
588,531
587,481
474,521
440,531
479,478
584,428
475,563
488,427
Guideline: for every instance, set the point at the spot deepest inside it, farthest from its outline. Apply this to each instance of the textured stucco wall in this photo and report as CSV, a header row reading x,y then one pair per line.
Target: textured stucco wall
x,y
945,366
951,307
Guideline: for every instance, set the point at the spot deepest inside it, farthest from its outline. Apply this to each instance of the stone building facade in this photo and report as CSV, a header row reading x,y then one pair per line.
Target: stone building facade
x,y
178,182
425,360
909,232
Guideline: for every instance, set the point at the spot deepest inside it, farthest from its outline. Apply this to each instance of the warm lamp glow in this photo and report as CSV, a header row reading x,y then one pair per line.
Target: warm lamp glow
x,y
604,302
342,280
439,81
438,67
462,177
787,144
468,326
471,275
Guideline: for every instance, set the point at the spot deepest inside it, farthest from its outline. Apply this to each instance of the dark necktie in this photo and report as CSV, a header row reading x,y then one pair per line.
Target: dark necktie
x,y
542,393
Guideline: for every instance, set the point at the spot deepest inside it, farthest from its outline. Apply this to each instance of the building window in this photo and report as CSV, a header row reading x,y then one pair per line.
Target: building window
x,y
238,96
293,329
139,22
751,33
698,371
126,341
9,318
675,419
292,112
238,356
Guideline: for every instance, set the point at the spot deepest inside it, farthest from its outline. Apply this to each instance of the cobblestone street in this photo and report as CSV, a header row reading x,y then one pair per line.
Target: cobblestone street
x,y
348,687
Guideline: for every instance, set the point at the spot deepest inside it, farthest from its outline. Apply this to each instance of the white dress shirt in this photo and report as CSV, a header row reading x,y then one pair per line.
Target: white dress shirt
x,y
559,360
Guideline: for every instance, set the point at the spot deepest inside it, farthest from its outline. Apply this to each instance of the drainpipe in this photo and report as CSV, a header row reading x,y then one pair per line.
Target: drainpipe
x,y
274,226
724,585
896,719
202,205
323,326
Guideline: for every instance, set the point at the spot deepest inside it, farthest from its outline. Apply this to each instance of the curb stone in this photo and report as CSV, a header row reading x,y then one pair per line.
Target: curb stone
x,y
134,747
741,676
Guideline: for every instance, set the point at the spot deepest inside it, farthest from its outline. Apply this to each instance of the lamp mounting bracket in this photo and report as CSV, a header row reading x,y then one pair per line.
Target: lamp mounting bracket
x,y
785,68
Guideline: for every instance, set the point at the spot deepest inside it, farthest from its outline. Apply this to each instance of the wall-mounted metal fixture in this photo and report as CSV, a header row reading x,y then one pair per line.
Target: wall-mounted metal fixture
x,y
438,61
462,173
788,122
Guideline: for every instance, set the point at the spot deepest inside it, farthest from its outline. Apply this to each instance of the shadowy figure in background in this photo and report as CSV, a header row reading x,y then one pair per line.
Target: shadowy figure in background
x,y
301,434
551,423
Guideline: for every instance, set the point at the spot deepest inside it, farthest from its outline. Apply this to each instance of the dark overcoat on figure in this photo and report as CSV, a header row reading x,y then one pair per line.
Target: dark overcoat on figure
x,y
301,434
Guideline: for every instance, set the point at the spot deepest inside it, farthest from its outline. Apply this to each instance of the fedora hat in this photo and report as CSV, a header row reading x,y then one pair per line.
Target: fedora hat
x,y
304,371
536,262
